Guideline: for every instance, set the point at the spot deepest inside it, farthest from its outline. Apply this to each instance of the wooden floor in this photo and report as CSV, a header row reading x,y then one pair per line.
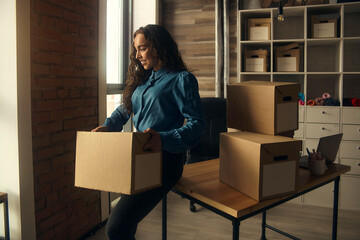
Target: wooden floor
x,y
304,222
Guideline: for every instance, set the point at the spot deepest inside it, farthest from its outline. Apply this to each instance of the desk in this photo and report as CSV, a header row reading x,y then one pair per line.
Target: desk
x,y
200,184
4,201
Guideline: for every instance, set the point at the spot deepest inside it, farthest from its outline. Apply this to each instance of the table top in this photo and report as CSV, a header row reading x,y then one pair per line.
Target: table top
x,y
201,181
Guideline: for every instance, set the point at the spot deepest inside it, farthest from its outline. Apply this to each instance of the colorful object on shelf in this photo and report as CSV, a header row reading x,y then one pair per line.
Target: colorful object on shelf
x,y
326,95
347,102
301,102
319,101
356,102
324,100
331,102
301,96
310,103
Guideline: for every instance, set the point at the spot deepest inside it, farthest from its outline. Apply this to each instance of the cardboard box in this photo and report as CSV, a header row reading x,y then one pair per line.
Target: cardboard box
x,y
116,162
256,60
323,26
287,58
287,61
259,165
263,107
259,29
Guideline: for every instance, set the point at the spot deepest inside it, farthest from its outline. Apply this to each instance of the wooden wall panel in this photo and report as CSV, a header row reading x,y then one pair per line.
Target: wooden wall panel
x,y
233,40
192,25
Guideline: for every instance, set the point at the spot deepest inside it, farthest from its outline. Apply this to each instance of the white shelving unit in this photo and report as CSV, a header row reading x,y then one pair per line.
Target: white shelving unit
x,y
329,65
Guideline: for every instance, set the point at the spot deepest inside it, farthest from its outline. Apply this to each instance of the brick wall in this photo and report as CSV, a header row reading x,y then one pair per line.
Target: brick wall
x,y
64,73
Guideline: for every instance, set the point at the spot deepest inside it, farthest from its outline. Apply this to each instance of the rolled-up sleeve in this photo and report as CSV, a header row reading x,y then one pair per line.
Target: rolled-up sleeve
x,y
186,94
117,120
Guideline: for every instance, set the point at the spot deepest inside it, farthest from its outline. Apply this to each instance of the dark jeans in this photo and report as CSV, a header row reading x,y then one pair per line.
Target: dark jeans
x,y
131,209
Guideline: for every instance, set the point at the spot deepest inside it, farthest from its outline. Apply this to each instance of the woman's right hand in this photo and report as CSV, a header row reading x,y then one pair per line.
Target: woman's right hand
x,y
100,129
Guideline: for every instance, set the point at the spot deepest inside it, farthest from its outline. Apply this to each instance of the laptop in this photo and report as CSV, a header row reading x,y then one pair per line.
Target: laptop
x,y
328,147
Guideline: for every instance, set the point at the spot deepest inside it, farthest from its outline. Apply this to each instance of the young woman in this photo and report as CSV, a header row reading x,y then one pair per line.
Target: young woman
x,y
160,93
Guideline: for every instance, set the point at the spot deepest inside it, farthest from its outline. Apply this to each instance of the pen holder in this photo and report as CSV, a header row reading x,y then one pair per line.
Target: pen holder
x,y
317,167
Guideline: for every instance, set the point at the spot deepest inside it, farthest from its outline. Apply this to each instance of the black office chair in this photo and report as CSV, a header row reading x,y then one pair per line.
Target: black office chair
x,y
208,148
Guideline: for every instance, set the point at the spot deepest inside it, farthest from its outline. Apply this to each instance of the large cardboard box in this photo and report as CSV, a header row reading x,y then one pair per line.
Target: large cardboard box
x,y
116,162
263,107
261,166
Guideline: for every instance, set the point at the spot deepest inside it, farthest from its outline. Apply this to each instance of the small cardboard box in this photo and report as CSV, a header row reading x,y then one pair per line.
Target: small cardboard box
x,y
287,58
116,162
263,107
259,29
259,165
256,60
323,26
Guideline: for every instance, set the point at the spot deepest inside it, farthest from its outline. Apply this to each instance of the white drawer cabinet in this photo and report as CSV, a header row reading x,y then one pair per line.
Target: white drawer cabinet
x,y
318,130
354,164
350,149
311,144
323,114
299,134
349,192
301,114
351,132
323,196
351,116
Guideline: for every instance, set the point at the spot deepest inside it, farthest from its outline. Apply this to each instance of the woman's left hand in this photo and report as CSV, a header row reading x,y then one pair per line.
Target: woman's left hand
x,y
154,143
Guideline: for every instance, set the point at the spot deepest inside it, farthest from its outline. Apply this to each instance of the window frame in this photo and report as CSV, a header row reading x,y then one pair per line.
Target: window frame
x,y
105,88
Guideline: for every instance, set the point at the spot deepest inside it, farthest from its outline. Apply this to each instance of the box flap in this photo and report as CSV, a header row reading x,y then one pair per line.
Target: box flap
x,y
288,53
288,47
286,117
278,178
287,93
254,22
325,17
260,83
138,141
260,138
281,151
250,53
145,163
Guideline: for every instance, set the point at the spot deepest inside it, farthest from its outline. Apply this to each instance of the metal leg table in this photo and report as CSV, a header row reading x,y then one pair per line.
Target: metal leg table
x,y
4,201
236,221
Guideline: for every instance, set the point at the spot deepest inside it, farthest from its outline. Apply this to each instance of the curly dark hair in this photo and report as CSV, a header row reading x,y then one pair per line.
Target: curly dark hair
x,y
163,47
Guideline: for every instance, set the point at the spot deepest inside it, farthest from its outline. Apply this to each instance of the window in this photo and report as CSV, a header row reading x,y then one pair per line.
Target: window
x,y
118,42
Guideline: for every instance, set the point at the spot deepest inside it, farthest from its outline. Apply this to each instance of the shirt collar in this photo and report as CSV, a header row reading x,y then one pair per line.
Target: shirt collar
x,y
158,74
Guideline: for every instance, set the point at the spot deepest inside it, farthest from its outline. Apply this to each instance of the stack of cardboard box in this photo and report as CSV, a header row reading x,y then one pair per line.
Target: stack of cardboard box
x,y
254,158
